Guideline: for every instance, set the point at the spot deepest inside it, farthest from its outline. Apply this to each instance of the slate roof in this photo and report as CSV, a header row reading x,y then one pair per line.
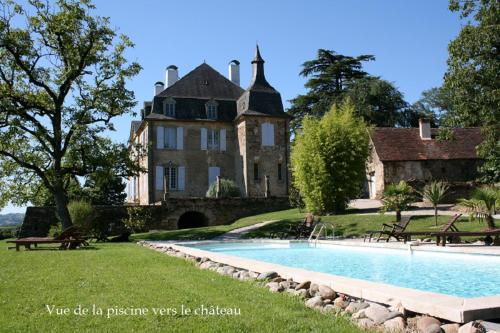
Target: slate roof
x,y
260,98
203,82
405,144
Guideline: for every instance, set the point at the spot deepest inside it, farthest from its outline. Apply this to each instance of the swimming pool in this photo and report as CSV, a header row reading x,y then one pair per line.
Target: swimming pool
x,y
461,275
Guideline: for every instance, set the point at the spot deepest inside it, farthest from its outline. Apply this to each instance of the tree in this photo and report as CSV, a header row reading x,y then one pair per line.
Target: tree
x,y
484,200
333,78
397,197
330,76
435,104
435,193
228,189
473,77
104,188
328,159
377,101
62,80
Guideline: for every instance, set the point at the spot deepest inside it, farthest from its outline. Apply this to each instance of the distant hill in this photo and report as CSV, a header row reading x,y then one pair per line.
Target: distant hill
x,y
11,219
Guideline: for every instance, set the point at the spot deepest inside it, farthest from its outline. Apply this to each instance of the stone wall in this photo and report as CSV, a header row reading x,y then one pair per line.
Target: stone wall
x,y
38,220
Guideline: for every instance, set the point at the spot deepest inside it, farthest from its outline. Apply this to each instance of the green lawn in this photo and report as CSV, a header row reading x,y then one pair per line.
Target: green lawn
x,y
211,232
349,225
127,275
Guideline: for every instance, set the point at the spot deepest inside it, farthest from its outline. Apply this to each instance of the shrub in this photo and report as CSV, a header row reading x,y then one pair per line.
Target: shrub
x,y
228,189
435,193
397,197
484,201
295,199
82,214
328,159
138,217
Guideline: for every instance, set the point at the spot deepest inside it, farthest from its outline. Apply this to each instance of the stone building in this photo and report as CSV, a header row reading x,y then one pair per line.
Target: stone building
x,y
204,125
418,156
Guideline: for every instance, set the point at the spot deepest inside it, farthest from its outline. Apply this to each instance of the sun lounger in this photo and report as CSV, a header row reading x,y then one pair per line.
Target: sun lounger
x,y
69,238
441,237
449,226
390,230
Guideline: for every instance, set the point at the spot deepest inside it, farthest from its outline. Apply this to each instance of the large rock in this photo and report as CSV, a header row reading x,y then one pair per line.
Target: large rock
x,y
428,325
329,308
267,275
377,313
470,327
302,293
360,314
314,289
303,285
274,287
326,292
450,328
395,325
315,303
206,264
365,323
356,306
341,302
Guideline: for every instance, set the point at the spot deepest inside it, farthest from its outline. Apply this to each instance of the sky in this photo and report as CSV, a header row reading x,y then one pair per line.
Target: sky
x,y
409,40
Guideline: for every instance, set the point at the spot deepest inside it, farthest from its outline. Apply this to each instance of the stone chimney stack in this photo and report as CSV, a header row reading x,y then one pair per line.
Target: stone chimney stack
x,y
159,86
425,128
171,76
234,72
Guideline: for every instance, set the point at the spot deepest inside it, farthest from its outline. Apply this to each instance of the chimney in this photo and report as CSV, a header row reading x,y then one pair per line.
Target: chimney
x,y
159,86
171,76
234,72
425,128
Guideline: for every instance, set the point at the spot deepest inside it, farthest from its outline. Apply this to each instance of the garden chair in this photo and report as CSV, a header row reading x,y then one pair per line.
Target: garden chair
x,y
390,230
69,238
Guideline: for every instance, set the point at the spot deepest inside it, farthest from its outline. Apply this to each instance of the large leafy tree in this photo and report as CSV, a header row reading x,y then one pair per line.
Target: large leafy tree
x,y
328,159
333,78
62,80
435,104
473,77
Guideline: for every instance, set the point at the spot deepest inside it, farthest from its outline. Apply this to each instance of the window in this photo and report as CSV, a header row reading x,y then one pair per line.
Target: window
x,y
213,139
171,177
170,138
256,171
211,108
267,131
169,107
280,172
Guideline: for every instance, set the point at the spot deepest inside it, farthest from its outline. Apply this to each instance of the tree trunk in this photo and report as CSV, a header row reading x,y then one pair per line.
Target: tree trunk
x,y
490,221
62,207
398,215
436,215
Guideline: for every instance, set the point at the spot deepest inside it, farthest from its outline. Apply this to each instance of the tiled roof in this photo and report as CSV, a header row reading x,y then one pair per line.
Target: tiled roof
x,y
405,144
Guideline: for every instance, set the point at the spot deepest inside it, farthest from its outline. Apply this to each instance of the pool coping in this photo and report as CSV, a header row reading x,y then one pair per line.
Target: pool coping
x,y
452,308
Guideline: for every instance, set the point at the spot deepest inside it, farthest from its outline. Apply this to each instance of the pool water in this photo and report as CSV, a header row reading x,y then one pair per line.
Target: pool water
x,y
462,275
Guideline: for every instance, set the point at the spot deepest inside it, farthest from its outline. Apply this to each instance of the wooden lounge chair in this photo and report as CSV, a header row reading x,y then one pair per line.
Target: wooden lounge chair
x,y
297,230
441,237
448,227
390,230
69,238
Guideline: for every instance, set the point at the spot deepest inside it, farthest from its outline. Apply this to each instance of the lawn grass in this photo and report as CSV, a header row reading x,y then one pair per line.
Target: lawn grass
x,y
214,231
356,225
127,275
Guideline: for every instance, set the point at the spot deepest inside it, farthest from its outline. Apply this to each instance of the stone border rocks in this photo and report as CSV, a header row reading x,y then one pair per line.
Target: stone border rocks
x,y
368,315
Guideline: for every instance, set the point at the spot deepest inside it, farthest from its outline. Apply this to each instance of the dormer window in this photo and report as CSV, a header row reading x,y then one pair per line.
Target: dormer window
x,y
211,108
169,107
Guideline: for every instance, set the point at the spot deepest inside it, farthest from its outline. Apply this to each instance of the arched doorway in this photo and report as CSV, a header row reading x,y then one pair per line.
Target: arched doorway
x,y
192,219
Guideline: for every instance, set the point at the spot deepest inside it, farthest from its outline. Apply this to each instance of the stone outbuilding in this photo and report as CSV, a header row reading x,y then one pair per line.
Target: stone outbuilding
x,y
419,155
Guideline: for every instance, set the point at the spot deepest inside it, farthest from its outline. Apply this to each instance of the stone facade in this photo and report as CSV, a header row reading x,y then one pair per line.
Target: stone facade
x,y
216,129
403,154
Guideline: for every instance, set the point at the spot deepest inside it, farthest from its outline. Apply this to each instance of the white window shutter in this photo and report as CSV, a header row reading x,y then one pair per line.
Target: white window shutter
x,y
223,139
159,177
160,137
213,172
271,134
180,138
203,139
181,178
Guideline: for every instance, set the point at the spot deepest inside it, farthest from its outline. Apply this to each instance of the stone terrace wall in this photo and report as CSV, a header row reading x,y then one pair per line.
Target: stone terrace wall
x,y
165,216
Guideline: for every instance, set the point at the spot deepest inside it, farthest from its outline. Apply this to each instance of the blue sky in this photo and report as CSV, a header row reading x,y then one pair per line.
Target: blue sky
x,y
408,38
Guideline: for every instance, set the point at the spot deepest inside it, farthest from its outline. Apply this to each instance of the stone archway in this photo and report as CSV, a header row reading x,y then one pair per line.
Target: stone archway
x,y
192,219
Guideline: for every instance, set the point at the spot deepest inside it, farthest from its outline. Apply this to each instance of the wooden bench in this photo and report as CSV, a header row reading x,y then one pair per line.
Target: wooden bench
x,y
69,238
